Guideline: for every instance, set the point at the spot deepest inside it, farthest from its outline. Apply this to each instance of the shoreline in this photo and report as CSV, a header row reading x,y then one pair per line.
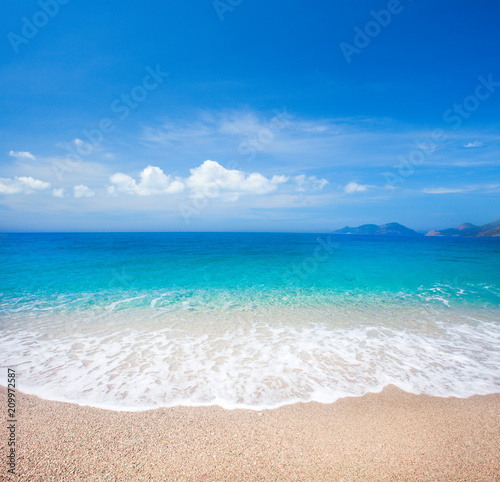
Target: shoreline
x,y
252,359
391,435
229,407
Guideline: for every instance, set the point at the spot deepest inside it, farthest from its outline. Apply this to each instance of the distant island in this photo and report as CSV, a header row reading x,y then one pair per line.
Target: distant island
x,y
390,229
491,230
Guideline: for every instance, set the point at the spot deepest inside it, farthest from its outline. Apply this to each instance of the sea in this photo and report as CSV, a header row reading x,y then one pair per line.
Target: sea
x,y
135,321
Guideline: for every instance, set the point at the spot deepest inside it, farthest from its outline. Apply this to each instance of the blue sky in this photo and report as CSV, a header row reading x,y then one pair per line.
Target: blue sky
x,y
252,115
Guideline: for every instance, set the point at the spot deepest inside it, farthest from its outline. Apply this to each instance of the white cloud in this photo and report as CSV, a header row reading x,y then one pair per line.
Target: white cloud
x,y
279,179
25,185
311,183
34,184
82,191
470,188
9,186
353,187
213,180
279,138
152,181
443,190
246,134
22,155
58,192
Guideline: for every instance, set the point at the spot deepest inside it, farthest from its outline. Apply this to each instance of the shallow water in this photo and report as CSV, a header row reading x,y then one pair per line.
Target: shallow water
x,y
135,321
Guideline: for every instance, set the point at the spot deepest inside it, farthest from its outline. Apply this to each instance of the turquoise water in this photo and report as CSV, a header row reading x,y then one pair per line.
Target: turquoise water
x,y
247,319
238,268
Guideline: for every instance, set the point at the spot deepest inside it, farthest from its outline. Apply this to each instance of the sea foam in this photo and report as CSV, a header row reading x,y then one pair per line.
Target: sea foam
x,y
138,359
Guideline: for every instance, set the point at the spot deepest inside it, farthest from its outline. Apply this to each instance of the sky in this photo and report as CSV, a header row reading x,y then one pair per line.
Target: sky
x,y
248,115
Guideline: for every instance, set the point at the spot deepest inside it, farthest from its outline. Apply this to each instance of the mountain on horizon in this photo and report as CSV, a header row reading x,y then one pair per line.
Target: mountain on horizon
x,y
389,229
490,230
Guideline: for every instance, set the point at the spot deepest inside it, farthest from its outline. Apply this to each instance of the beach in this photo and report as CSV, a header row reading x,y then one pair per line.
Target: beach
x,y
391,435
234,357
250,241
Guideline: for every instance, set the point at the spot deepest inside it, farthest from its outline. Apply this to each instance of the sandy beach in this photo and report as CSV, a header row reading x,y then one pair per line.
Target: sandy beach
x,y
392,435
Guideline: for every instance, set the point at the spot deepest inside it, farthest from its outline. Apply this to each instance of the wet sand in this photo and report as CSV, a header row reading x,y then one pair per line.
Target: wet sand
x,y
391,436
